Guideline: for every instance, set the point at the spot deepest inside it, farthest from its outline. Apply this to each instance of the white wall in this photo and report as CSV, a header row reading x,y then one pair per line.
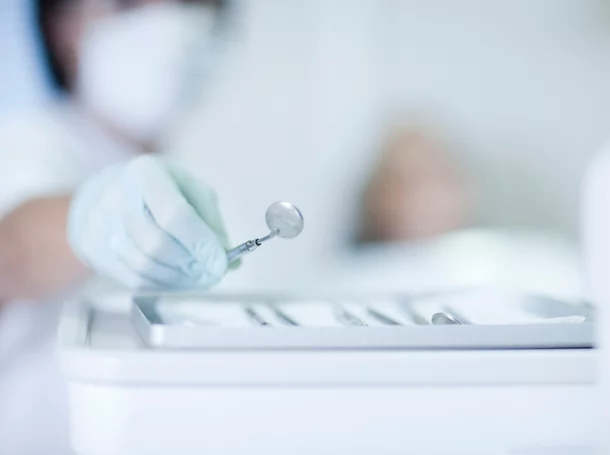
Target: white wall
x,y
524,85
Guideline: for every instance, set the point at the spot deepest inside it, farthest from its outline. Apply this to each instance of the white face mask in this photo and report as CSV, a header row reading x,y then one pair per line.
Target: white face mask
x,y
139,69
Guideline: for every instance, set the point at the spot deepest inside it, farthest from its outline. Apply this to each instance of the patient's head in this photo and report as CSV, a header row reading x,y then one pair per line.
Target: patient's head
x,y
414,192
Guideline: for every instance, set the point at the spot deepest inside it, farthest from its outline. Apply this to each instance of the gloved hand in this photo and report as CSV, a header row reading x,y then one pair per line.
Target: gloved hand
x,y
149,225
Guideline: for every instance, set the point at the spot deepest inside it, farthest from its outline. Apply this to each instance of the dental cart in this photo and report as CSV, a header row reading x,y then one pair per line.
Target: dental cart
x,y
467,372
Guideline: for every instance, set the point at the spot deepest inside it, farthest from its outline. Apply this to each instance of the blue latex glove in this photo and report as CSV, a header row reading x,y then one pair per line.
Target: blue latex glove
x,y
149,225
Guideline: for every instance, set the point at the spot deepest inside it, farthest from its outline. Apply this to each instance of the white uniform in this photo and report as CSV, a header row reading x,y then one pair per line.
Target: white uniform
x,y
48,153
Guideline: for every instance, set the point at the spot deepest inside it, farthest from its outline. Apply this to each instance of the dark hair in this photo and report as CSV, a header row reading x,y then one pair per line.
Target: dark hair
x,y
44,10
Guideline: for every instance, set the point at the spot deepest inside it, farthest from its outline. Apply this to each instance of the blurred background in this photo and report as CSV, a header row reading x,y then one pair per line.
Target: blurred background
x,y
428,144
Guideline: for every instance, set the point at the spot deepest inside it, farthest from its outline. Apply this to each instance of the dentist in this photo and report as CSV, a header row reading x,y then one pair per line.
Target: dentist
x,y
83,187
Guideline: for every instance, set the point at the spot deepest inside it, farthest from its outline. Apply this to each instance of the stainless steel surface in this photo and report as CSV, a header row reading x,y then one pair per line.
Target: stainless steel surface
x,y
283,219
255,322
443,318
257,319
382,317
348,318
242,249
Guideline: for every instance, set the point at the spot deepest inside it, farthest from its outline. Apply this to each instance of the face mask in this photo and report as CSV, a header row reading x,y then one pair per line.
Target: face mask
x,y
139,69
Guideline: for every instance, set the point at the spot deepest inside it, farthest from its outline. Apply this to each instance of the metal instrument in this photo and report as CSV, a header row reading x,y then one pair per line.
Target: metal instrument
x,y
283,220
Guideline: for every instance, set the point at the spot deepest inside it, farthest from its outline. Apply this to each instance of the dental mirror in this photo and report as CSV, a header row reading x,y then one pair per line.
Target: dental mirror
x,y
283,220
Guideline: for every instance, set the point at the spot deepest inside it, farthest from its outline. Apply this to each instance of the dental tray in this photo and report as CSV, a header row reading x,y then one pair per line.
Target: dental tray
x,y
471,319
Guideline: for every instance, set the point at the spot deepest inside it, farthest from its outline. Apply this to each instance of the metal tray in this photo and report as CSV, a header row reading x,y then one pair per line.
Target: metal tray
x,y
442,321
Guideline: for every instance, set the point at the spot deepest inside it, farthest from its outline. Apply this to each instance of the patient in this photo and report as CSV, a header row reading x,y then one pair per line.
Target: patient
x,y
415,191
